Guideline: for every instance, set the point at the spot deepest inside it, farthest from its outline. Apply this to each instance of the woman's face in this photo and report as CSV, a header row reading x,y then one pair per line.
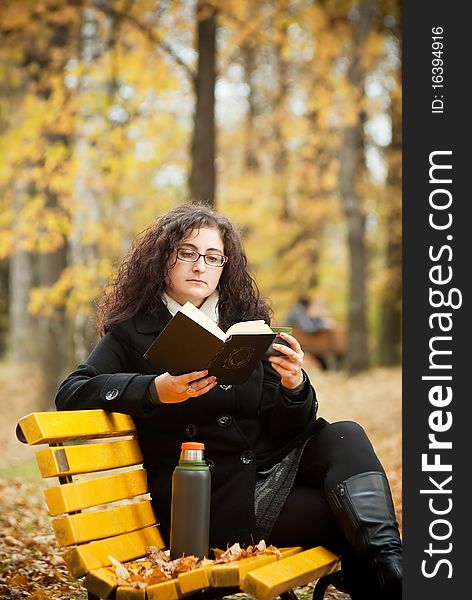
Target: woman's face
x,y
195,281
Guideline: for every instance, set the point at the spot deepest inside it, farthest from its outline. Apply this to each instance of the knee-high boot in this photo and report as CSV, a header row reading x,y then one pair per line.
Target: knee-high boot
x,y
363,508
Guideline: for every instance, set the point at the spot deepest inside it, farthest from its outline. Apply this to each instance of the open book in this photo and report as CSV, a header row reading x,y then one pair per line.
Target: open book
x,y
191,341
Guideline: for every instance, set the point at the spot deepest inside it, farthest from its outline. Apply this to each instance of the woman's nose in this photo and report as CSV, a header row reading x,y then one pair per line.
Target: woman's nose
x,y
199,265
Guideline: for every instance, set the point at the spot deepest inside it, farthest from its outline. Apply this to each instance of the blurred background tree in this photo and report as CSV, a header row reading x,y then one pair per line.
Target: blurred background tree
x,y
283,114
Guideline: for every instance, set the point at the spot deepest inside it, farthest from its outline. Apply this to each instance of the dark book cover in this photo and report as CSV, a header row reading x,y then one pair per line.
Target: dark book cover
x,y
239,356
184,346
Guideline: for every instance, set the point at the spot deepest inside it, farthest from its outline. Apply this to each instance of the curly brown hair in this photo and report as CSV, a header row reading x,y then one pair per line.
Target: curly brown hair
x,y
143,274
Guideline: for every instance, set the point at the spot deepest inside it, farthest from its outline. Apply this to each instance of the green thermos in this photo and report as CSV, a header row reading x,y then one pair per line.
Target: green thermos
x,y
190,510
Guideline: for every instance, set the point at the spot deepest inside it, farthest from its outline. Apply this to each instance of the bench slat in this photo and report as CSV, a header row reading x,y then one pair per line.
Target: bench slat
x,y
167,590
272,580
94,555
71,497
99,524
193,581
101,582
232,574
61,426
88,458
124,592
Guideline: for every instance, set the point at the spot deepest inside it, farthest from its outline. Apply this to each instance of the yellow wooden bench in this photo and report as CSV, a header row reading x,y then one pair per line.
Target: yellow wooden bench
x,y
101,508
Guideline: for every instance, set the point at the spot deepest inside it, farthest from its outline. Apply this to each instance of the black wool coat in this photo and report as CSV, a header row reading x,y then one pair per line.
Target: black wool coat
x,y
245,428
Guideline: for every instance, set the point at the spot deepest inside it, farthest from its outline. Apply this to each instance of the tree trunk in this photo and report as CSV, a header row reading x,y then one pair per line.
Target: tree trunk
x,y
53,328
391,303
21,335
21,345
88,182
390,308
251,161
357,358
202,181
280,115
52,331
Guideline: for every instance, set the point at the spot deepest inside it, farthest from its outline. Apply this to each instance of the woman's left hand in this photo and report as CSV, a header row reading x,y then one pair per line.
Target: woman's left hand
x,y
288,366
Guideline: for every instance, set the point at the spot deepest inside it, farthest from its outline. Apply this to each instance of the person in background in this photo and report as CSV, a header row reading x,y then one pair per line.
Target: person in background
x,y
279,471
299,316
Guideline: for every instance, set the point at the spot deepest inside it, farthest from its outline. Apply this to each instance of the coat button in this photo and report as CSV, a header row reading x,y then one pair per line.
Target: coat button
x,y
111,394
224,420
190,430
226,387
247,457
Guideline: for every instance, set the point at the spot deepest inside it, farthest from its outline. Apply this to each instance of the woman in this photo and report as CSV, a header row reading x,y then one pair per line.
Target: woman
x,y
278,472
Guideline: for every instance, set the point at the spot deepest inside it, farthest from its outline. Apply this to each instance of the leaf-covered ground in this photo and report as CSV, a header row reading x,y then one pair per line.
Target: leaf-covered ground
x,y
30,562
31,565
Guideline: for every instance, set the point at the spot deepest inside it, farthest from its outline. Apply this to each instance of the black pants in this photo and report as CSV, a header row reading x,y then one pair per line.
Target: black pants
x,y
336,452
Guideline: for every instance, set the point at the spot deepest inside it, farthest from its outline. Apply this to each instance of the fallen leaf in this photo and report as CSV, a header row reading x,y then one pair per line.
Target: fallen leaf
x,y
120,570
18,580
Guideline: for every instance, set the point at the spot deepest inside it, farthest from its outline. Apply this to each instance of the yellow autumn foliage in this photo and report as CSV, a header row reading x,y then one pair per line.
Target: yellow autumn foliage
x,y
77,286
92,150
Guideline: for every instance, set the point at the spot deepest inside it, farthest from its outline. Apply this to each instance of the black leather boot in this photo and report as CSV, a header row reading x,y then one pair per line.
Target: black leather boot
x,y
363,508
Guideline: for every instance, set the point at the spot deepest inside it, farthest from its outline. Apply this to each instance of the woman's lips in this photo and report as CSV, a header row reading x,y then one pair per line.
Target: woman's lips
x,y
196,281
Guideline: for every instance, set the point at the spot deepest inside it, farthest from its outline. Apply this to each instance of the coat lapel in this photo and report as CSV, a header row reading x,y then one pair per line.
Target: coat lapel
x,y
146,323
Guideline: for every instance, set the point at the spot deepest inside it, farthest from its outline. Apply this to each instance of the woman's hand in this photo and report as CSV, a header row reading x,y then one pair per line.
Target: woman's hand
x,y
288,366
178,388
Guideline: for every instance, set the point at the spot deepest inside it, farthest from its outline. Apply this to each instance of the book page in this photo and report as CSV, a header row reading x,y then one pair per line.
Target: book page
x,y
202,319
249,327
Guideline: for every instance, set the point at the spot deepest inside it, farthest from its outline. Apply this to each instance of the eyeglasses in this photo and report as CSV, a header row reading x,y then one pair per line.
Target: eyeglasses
x,y
212,260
